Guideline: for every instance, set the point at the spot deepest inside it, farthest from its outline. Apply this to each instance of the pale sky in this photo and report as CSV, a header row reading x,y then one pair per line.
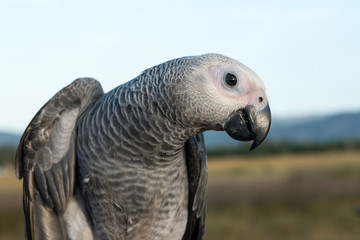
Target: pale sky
x,y
306,52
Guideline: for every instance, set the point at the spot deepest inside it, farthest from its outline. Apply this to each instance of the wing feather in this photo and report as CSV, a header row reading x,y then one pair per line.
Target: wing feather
x,y
197,174
45,158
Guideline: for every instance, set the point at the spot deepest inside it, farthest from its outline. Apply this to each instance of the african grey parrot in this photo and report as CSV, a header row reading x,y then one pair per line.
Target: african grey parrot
x,y
131,163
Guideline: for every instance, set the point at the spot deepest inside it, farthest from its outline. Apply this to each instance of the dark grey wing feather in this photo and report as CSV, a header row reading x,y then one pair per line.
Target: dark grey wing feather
x,y
45,158
197,174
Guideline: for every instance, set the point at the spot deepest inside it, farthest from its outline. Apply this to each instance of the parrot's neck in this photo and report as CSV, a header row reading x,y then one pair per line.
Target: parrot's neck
x,y
138,117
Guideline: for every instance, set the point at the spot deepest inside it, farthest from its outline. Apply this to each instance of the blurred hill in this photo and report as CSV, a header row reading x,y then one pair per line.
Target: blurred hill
x,y
331,128
9,139
337,127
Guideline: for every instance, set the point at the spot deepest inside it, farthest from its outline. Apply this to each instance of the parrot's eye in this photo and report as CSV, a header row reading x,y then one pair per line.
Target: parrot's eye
x,y
230,80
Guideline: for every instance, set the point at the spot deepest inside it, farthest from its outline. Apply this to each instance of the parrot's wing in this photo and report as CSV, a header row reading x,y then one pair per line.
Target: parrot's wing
x,y
197,173
45,158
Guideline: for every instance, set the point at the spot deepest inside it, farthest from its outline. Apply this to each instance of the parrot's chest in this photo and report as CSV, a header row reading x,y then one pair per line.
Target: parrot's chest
x,y
158,206
145,203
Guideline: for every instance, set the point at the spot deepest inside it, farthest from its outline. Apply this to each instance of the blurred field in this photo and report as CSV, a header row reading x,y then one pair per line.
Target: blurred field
x,y
309,196
11,226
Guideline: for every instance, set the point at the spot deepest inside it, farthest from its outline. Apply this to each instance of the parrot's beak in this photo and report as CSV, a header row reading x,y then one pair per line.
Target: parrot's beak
x,y
249,124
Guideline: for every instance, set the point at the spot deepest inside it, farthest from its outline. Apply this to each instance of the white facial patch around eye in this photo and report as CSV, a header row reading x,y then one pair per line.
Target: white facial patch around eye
x,y
219,73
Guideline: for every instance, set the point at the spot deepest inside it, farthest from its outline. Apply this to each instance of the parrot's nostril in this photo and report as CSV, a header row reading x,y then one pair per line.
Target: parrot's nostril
x,y
261,99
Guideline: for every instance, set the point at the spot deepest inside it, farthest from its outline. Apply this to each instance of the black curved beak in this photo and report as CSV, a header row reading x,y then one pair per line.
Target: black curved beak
x,y
248,124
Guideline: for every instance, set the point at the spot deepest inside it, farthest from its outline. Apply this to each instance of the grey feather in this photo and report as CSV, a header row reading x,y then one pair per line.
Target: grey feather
x,y
46,159
197,172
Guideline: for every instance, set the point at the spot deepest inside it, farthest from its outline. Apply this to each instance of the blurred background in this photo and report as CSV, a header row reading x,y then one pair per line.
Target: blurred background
x,y
303,182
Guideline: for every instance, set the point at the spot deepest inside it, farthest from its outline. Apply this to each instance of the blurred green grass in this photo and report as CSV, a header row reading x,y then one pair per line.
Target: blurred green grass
x,y
306,196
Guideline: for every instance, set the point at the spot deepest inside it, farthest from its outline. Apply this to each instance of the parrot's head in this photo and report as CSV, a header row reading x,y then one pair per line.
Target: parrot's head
x,y
226,95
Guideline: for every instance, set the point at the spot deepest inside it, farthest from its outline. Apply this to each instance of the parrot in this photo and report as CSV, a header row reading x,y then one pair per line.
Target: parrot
x,y
131,163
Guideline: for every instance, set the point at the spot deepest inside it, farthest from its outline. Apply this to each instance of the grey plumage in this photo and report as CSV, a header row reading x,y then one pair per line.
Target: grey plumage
x,y
131,163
